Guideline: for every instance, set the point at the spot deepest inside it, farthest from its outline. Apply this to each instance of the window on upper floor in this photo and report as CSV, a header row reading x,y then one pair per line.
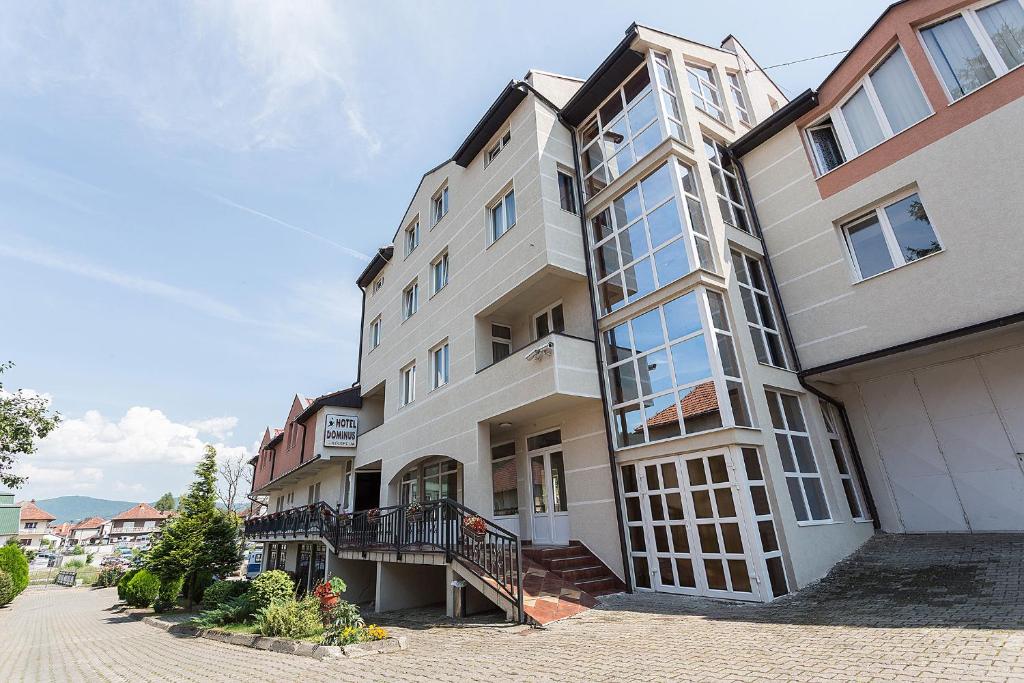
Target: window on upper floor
x,y
410,300
412,237
502,215
407,384
652,234
30,525
440,363
377,284
803,477
757,304
439,273
890,236
501,342
739,100
496,148
375,329
888,101
727,185
439,206
567,192
551,319
976,46
704,88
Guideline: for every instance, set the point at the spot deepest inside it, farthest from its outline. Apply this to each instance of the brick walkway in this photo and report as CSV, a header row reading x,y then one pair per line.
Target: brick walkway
x,y
921,608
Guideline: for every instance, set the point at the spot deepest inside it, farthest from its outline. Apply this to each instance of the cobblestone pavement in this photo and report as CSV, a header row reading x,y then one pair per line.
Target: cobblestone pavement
x,y
923,608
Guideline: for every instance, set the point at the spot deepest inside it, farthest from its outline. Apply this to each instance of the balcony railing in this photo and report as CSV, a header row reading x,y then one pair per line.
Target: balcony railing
x,y
438,526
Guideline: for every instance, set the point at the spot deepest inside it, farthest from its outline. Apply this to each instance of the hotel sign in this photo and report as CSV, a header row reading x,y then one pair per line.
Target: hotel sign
x,y
340,431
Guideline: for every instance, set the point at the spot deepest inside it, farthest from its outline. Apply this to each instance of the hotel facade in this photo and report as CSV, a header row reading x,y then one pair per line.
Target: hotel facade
x,y
576,375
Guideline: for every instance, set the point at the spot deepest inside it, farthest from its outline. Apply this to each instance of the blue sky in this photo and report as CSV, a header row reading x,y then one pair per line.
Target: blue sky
x,y
188,191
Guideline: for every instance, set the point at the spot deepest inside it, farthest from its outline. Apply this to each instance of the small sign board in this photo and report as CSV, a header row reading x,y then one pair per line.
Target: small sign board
x,y
340,431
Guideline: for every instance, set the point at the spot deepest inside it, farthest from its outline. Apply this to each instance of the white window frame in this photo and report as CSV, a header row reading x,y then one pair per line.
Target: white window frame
x,y
407,385
758,327
410,299
695,69
412,237
546,312
439,266
842,452
377,284
573,199
500,340
375,332
977,29
494,150
737,206
499,207
895,253
788,433
440,372
839,126
439,205
739,98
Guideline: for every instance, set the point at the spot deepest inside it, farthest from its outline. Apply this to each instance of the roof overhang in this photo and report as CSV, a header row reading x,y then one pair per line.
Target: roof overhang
x,y
311,467
776,123
608,76
276,440
493,119
377,263
346,398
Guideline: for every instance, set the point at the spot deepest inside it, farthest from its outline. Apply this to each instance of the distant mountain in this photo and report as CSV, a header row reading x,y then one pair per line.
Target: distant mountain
x,y
76,508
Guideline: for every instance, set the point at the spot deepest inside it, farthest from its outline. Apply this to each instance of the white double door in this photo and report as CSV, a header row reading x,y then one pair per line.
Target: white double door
x,y
550,508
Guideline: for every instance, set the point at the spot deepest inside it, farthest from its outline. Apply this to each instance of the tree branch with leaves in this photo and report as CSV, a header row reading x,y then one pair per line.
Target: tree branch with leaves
x,y
24,420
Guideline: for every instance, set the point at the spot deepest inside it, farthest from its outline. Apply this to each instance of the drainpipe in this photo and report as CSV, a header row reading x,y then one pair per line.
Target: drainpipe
x,y
605,408
362,321
844,416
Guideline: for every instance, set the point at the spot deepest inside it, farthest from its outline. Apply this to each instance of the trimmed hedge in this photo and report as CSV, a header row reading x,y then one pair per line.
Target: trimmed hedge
x,y
221,591
270,587
6,588
14,562
167,596
142,590
122,584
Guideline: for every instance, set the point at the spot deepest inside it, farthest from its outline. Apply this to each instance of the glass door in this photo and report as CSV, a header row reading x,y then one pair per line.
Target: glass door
x,y
550,509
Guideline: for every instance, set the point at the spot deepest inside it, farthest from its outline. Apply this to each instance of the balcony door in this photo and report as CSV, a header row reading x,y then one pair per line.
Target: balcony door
x,y
547,474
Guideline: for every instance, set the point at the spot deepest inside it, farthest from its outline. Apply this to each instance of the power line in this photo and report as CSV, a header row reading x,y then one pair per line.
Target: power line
x,y
797,61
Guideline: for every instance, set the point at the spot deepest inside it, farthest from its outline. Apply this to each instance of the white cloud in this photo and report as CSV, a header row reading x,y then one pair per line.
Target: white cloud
x,y
217,427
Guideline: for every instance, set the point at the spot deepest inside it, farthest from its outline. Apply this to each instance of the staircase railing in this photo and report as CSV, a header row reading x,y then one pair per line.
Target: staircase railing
x,y
488,550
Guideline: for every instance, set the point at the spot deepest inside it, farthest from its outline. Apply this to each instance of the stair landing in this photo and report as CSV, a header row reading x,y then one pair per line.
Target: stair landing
x,y
560,581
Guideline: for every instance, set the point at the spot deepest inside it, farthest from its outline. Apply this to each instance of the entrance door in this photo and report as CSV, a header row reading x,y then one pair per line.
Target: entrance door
x,y
547,476
302,568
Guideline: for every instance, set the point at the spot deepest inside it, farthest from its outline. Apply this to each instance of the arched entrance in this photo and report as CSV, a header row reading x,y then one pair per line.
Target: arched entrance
x,y
430,479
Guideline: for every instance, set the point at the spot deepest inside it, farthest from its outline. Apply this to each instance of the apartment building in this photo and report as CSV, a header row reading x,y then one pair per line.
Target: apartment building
x,y
136,525
889,202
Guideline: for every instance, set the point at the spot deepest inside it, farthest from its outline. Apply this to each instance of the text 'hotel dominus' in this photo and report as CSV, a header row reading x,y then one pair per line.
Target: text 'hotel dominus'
x,y
667,329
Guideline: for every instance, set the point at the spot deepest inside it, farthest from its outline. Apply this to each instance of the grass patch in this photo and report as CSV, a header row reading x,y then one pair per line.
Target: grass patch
x,y
87,574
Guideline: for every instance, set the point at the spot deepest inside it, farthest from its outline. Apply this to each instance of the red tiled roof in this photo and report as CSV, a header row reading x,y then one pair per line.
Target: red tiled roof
x,y
62,529
701,399
32,512
91,523
141,511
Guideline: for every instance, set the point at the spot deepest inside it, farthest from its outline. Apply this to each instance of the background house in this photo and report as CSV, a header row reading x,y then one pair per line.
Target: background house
x,y
34,525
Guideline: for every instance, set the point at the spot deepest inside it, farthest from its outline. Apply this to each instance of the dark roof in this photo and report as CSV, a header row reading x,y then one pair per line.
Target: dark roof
x,y
608,76
277,438
378,261
492,120
774,124
345,398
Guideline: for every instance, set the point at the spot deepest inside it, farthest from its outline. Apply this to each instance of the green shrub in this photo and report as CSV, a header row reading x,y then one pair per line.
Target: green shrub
x,y
220,591
270,587
73,564
14,562
142,590
167,596
232,611
291,618
6,588
122,583
78,550
203,581
108,577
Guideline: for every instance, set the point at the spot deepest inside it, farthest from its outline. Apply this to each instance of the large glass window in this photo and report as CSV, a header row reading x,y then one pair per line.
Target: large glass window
x,y
757,304
803,478
727,185
650,235
972,48
704,87
738,100
890,236
670,369
504,479
851,483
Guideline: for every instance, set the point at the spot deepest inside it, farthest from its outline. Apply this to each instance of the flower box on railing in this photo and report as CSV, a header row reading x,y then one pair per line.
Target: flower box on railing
x,y
474,527
414,511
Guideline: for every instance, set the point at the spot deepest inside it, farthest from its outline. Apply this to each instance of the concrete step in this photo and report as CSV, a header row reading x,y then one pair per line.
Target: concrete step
x,y
595,586
582,573
566,563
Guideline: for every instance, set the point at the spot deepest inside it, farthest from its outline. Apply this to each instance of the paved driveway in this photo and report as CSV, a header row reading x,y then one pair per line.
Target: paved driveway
x,y
922,608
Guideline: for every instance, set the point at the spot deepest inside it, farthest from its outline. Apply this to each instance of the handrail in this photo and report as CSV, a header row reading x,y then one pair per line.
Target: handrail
x,y
432,526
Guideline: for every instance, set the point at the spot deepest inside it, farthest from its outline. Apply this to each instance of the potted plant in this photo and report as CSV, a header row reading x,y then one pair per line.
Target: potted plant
x,y
372,516
329,593
474,527
414,511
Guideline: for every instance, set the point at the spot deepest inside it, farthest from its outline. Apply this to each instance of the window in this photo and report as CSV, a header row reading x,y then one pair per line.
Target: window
x,y
501,342
30,525
412,237
439,359
971,49
727,185
738,100
377,284
669,100
567,192
503,215
313,494
504,479
375,333
410,300
757,304
441,480
851,484
890,236
547,321
407,386
652,234
410,486
705,90
439,273
670,369
802,476
828,153
624,129
439,206
496,148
